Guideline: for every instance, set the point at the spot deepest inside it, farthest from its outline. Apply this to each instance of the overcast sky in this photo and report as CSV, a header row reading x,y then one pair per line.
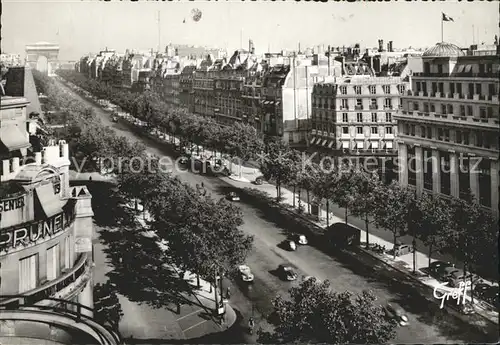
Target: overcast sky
x,y
80,27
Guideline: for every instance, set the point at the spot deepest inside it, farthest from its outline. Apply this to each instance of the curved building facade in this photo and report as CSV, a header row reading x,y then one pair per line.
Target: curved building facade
x,y
46,230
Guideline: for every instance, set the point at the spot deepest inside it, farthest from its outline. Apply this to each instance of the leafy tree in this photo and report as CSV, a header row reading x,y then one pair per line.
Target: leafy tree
x,y
278,165
315,313
470,230
107,307
396,210
325,186
365,189
432,222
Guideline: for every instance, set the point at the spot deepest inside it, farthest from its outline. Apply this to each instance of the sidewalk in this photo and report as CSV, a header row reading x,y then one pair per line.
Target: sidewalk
x,y
199,318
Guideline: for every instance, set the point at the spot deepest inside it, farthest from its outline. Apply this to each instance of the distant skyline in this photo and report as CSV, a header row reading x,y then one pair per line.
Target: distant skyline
x,y
80,27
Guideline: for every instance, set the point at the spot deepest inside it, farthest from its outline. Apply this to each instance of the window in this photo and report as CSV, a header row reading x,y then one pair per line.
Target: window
x,y
482,112
388,103
374,130
345,118
491,90
359,130
406,129
373,89
388,117
426,107
440,134
429,132
434,87
343,90
359,117
465,137
52,262
462,110
446,134
443,109
388,130
458,137
359,102
419,88
345,130
67,253
401,89
374,117
357,90
469,110
415,106
412,130
450,108
459,88
490,112
28,273
433,108
386,88
373,103
478,89
344,104
452,88
440,69
441,88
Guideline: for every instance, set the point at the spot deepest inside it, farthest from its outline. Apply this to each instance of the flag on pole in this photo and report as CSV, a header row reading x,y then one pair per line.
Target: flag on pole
x,y
447,18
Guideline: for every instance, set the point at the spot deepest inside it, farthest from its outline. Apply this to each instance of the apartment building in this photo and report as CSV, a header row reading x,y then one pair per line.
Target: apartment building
x,y
353,115
203,87
448,127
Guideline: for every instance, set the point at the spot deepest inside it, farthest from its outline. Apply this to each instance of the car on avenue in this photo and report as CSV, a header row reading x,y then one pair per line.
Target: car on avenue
x,y
402,249
488,293
437,267
245,273
287,272
446,273
396,314
459,276
232,196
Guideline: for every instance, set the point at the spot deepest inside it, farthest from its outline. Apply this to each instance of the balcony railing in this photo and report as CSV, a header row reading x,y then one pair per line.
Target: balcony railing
x,y
373,107
358,107
60,313
51,287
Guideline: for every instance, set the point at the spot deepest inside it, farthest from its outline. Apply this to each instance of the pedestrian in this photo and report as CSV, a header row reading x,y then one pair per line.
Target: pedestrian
x,y
90,178
228,292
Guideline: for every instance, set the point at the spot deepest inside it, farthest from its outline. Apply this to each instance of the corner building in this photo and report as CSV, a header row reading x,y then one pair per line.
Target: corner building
x,y
46,249
448,127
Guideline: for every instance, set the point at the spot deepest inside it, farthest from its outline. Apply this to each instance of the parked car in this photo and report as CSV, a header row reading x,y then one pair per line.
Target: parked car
x,y
396,314
115,119
402,249
491,296
246,273
287,272
437,267
446,273
458,276
259,180
232,196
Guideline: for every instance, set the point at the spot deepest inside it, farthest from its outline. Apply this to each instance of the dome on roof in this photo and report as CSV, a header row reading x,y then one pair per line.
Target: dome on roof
x,y
443,49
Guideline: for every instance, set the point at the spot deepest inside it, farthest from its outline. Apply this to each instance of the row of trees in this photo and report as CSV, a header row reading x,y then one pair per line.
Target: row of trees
x,y
239,141
460,227
202,233
431,219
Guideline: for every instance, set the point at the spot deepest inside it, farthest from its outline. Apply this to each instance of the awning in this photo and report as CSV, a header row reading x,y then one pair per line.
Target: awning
x,y
345,144
312,141
324,142
360,144
375,145
49,201
388,145
330,144
278,103
468,68
13,138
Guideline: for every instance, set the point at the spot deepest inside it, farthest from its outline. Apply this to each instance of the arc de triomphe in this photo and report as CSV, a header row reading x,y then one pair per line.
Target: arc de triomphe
x,y
45,51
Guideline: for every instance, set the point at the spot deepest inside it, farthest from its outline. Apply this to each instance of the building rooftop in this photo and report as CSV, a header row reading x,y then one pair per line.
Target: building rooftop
x,y
444,49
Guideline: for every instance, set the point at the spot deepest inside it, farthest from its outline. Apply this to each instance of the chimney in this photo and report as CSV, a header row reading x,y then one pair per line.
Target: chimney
x,y
380,45
390,47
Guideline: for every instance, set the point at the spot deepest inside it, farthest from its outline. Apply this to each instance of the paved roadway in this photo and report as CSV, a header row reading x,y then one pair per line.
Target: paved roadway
x,y
427,323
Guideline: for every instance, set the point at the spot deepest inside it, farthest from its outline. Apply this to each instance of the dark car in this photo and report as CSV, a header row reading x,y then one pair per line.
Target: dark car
x,y
447,272
437,267
488,293
287,272
396,314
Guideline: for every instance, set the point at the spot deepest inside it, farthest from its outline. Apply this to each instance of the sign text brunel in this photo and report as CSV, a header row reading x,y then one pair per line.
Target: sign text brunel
x,y
30,233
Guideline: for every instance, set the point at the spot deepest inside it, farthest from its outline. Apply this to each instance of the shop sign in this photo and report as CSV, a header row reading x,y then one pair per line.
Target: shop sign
x,y
29,233
12,203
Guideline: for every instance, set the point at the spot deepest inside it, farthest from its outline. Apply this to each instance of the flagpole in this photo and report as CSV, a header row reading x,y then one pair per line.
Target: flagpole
x,y
442,21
